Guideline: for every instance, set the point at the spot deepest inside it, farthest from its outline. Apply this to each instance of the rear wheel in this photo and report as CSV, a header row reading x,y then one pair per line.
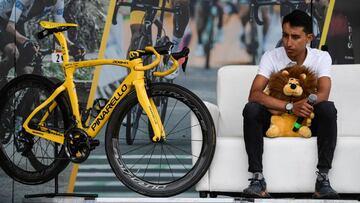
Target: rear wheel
x,y
27,158
170,166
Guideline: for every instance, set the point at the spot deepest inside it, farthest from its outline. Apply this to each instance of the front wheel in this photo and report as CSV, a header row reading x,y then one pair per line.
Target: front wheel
x,y
172,165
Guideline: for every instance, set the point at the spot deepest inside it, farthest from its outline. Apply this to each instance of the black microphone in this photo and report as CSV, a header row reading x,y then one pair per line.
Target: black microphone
x,y
311,100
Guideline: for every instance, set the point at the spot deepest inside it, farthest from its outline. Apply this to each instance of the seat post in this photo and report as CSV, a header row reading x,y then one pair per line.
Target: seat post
x,y
62,40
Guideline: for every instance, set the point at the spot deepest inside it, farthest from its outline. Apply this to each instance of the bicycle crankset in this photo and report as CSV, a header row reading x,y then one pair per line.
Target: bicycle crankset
x,y
78,145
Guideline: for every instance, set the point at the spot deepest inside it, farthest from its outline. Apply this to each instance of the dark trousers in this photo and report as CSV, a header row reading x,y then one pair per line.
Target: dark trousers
x,y
324,126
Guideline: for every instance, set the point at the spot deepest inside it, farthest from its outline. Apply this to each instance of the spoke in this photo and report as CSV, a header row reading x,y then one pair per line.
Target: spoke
x,y
147,166
176,157
167,160
179,122
8,144
161,153
145,139
183,129
172,110
181,150
183,140
20,161
141,158
137,148
45,152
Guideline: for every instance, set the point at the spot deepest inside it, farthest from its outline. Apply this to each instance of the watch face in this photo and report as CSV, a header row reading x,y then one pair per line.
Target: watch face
x,y
289,106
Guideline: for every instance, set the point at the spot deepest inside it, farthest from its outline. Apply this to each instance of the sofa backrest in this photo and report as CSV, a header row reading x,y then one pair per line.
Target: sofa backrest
x,y
233,86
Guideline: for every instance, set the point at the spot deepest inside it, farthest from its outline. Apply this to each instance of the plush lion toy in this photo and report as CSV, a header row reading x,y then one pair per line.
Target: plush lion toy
x,y
291,84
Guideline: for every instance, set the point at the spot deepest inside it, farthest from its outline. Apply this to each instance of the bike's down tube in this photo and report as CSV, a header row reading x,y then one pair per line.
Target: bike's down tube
x,y
105,113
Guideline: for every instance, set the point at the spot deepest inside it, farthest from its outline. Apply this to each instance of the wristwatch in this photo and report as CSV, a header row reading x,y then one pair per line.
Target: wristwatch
x,y
289,107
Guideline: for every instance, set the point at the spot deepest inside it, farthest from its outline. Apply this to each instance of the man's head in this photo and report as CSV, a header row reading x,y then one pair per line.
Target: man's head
x,y
297,32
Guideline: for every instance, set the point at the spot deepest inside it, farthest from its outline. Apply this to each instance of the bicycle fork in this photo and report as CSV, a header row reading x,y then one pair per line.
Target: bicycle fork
x,y
150,109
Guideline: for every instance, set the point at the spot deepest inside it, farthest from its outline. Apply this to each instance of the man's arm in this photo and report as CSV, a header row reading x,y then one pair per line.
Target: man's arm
x,y
18,37
257,95
16,12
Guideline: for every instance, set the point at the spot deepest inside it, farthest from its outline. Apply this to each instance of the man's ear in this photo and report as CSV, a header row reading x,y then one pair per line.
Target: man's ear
x,y
309,38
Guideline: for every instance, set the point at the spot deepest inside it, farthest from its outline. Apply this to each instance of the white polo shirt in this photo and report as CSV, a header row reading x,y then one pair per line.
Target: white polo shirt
x,y
276,60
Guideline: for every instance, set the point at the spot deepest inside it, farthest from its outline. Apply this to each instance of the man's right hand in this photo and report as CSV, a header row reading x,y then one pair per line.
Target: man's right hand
x,y
302,108
27,51
29,48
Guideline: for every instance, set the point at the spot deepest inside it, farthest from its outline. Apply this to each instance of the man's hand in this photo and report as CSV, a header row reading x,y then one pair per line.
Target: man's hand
x,y
302,108
29,47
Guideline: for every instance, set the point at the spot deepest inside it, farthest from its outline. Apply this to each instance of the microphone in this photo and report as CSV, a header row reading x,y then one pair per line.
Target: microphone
x,y
311,100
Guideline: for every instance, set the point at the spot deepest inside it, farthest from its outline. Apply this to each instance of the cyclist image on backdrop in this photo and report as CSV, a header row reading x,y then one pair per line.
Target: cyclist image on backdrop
x,y
180,21
297,34
205,11
248,39
16,46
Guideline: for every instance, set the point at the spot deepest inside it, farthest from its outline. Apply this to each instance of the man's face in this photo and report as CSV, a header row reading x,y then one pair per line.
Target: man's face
x,y
294,40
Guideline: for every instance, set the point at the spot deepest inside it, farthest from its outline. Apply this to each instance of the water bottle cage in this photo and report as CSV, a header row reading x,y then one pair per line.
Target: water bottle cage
x,y
98,105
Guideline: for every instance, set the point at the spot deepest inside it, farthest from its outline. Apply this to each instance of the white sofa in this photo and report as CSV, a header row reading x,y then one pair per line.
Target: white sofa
x,y
289,163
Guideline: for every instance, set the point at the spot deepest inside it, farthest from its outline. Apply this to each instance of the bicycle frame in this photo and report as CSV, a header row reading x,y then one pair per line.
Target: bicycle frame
x,y
135,79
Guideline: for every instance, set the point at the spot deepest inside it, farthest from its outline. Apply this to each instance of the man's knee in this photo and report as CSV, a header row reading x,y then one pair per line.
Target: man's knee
x,y
252,110
326,110
11,51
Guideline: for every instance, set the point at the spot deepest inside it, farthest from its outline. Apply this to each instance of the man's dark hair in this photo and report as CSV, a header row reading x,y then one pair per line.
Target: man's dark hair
x,y
299,18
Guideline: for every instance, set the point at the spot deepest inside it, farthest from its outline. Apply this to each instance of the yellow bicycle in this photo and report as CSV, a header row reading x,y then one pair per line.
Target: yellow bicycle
x,y
44,128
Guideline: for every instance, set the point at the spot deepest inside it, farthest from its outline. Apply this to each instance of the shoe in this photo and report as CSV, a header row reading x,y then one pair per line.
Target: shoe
x,y
323,190
199,50
257,188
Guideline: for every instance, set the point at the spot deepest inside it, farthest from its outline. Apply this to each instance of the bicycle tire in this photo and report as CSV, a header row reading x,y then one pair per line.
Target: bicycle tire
x,y
42,160
184,169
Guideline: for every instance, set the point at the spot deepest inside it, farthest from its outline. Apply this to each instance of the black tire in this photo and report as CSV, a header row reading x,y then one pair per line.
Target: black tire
x,y
183,165
39,160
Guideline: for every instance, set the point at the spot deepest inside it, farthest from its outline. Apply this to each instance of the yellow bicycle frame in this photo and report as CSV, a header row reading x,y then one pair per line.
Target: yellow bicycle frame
x,y
135,79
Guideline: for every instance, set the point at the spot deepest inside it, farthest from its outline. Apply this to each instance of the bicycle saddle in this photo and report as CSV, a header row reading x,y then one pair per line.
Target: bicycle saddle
x,y
52,25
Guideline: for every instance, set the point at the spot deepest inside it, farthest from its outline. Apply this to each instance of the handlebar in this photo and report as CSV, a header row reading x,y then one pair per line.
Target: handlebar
x,y
163,50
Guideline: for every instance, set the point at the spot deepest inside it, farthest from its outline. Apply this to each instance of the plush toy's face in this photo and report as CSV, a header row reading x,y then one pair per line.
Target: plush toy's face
x,y
293,87
292,83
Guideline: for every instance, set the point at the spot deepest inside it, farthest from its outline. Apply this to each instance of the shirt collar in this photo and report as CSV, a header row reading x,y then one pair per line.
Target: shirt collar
x,y
290,63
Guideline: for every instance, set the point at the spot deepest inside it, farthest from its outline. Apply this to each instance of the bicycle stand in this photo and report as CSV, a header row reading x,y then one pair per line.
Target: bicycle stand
x,y
57,194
